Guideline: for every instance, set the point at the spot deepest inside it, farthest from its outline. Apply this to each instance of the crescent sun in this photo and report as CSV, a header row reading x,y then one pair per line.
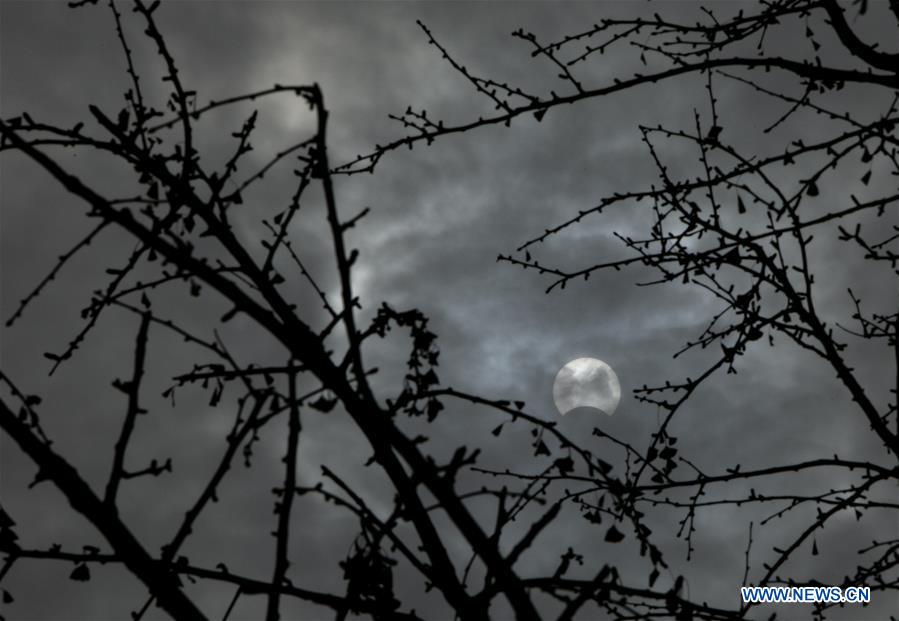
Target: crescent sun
x,y
586,382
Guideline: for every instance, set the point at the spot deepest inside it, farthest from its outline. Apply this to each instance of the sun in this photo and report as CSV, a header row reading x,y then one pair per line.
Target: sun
x,y
586,382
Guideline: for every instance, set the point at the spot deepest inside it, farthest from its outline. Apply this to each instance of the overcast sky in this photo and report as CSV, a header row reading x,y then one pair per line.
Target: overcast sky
x,y
439,217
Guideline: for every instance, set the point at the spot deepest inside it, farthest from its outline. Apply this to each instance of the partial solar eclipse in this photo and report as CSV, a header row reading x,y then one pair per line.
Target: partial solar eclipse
x,y
586,383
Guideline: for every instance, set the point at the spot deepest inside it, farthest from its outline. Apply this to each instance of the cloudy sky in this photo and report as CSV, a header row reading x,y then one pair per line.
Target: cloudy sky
x,y
439,218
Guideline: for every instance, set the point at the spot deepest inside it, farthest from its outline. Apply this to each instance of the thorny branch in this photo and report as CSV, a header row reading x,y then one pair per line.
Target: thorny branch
x,y
731,230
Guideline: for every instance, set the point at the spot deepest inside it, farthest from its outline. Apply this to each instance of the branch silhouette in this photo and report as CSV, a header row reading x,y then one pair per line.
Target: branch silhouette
x,y
733,228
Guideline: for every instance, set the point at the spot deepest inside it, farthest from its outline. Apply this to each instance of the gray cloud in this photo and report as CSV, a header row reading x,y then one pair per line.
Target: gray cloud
x,y
439,218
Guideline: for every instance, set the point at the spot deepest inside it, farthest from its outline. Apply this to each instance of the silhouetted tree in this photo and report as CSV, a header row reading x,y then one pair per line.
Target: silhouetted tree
x,y
740,228
181,219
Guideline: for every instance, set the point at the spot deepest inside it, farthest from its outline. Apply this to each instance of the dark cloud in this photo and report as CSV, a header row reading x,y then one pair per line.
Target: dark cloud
x,y
439,218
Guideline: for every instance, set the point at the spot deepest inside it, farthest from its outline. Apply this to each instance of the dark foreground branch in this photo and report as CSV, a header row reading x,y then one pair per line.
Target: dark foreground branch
x,y
164,586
